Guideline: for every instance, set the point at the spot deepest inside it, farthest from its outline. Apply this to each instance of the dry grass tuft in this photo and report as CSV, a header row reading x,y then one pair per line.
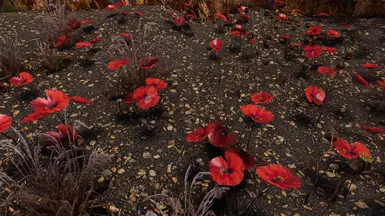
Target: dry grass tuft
x,y
10,61
183,205
60,184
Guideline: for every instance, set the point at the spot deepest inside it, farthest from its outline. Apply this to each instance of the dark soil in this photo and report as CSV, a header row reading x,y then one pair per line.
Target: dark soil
x,y
151,147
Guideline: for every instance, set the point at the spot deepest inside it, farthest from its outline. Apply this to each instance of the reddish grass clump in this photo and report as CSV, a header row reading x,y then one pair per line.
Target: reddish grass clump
x,y
279,176
315,94
227,172
24,78
5,122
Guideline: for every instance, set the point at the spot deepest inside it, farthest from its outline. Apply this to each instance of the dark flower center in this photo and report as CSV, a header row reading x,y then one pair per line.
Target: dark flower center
x,y
52,105
278,179
223,132
225,171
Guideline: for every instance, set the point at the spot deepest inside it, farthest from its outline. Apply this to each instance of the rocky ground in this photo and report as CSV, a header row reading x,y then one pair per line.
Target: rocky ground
x,y
148,151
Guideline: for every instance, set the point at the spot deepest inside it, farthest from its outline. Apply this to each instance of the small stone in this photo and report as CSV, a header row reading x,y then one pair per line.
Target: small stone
x,y
141,172
170,127
106,172
152,173
92,142
121,171
147,155
330,174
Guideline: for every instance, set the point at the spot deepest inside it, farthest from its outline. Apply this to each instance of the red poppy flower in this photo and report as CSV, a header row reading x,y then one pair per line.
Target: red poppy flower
x,y
221,137
286,37
279,176
148,62
346,25
65,135
312,51
381,83
333,34
282,16
140,14
85,22
315,94
24,78
236,33
81,100
262,97
314,30
373,130
129,98
56,101
227,172
110,7
253,40
237,28
80,45
361,80
147,97
120,4
126,35
200,134
322,15
242,9
34,116
247,159
258,114
221,16
188,4
190,16
349,152
61,40
73,24
326,70
93,41
5,122
371,66
116,64
329,49
157,83
244,17
216,44
179,21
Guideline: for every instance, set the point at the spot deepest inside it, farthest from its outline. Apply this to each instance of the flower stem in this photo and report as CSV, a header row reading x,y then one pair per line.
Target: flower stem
x,y
260,193
248,140
4,134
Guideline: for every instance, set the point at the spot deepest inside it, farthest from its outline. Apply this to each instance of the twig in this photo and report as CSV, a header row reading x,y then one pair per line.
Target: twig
x,y
260,193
